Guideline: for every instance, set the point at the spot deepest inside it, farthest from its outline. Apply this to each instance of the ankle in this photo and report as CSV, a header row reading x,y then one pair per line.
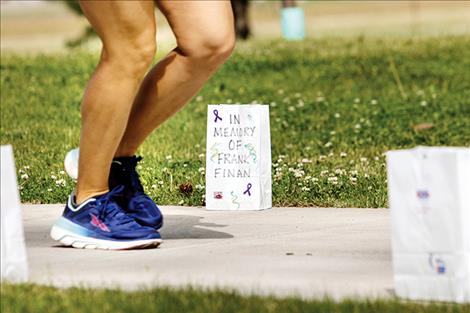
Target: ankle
x,y
81,196
125,152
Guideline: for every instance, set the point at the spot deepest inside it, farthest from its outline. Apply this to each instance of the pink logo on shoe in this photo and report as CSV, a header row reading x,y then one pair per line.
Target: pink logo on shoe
x,y
96,222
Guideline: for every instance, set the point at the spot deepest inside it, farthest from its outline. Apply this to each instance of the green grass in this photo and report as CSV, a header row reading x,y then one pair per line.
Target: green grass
x,y
336,106
33,298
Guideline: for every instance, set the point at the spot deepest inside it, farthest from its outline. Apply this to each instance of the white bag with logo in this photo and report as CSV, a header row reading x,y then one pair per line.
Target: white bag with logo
x,y
429,199
238,157
13,257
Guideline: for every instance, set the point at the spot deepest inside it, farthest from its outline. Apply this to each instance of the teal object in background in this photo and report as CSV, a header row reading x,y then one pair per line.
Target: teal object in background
x,y
293,23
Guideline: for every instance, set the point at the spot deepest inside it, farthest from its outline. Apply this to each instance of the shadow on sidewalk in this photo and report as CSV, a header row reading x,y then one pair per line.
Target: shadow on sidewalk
x,y
190,227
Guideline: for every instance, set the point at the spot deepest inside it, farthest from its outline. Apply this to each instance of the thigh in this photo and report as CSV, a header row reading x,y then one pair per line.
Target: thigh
x,y
199,21
121,22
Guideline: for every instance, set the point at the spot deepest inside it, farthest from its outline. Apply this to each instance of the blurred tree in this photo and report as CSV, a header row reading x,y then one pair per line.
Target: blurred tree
x,y
240,14
87,34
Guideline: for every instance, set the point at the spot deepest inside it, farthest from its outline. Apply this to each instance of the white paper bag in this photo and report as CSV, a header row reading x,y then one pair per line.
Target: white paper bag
x,y
238,158
13,258
429,199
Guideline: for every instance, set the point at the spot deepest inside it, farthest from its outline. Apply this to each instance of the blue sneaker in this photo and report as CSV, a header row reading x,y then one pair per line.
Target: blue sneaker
x,y
135,202
99,223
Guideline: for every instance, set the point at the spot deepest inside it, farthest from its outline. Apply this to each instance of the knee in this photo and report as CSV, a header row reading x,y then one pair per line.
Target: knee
x,y
211,50
131,60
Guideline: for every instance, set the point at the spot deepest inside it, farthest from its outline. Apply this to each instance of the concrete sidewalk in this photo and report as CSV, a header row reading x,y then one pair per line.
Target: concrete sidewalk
x,y
283,251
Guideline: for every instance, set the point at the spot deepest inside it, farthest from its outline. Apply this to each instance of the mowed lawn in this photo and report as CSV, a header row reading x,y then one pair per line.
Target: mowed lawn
x,y
336,105
33,298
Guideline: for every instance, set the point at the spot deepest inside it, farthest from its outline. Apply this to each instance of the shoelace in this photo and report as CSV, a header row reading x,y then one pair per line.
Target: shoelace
x,y
111,208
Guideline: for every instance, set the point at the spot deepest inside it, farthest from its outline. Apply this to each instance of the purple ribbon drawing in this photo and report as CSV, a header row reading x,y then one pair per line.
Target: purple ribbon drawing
x,y
247,191
217,117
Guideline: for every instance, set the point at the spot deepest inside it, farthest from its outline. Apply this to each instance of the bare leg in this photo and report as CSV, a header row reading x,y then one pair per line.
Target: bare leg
x,y
205,37
127,30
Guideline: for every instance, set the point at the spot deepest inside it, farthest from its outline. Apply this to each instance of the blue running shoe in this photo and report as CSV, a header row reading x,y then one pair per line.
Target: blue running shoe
x,y
99,223
135,202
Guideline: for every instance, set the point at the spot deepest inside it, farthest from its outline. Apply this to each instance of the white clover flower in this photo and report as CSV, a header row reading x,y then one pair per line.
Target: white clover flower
x,y
199,98
306,161
353,179
314,179
332,132
369,188
201,155
168,157
53,177
297,95
320,99
343,154
376,158
373,102
357,126
61,182
339,171
308,177
332,178
322,157
330,154
49,189
366,175
354,172
24,176
305,188
323,173
160,182
201,169
328,144
197,146
337,115
199,187
154,186
185,165
181,202
363,159
299,173
26,167
273,104
423,103
61,172
357,100
291,108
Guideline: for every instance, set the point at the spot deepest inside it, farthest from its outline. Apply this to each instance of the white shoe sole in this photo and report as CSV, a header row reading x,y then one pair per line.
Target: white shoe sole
x,y
70,239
